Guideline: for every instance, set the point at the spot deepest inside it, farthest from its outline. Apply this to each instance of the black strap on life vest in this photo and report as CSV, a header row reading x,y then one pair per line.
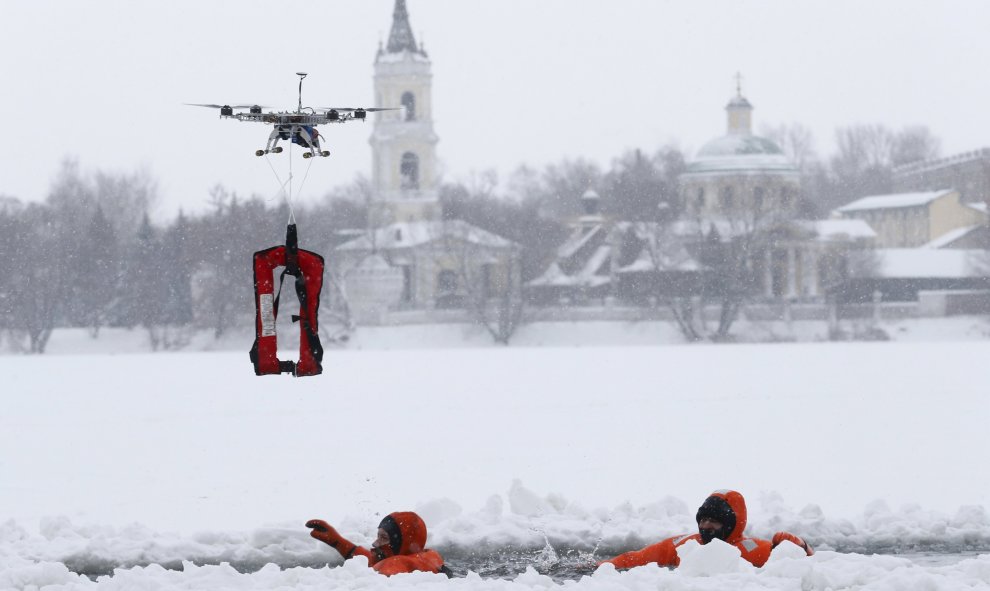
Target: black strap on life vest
x,y
307,268
292,268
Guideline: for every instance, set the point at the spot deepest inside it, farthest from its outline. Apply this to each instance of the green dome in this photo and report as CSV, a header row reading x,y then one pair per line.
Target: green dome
x,y
740,153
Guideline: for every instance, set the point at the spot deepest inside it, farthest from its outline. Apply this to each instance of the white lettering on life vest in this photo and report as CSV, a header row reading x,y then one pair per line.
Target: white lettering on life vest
x,y
266,306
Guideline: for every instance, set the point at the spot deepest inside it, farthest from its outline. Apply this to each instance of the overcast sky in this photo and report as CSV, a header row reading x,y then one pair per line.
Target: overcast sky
x,y
515,81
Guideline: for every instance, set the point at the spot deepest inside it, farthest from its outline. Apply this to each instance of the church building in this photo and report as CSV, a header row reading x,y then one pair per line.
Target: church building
x,y
410,257
740,189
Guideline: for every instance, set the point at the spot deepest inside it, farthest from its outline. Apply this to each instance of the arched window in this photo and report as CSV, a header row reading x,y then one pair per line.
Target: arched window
x,y
409,102
409,171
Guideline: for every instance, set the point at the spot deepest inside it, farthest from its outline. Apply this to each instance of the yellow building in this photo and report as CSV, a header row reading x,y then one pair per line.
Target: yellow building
x,y
909,220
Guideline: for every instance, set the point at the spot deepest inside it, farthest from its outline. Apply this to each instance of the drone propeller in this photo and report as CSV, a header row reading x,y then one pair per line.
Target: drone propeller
x,y
372,110
212,106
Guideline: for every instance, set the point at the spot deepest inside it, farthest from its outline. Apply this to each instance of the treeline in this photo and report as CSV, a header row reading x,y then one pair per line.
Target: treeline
x,y
90,256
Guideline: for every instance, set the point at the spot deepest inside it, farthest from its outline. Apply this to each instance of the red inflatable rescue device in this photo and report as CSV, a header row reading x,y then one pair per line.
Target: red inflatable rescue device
x,y
307,268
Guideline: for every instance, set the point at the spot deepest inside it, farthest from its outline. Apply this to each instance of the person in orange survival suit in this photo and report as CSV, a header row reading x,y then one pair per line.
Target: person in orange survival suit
x,y
399,548
722,516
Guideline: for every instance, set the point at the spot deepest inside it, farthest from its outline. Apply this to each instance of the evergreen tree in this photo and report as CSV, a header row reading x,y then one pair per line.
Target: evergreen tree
x,y
142,293
176,274
634,188
98,272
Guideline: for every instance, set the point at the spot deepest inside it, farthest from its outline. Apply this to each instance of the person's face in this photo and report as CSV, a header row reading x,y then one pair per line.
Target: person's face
x,y
710,529
381,540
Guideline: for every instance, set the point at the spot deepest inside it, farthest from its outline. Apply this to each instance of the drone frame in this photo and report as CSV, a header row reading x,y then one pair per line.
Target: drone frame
x,y
299,124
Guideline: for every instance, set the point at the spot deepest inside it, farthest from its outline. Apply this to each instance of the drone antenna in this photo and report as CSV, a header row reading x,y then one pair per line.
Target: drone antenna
x,y
301,76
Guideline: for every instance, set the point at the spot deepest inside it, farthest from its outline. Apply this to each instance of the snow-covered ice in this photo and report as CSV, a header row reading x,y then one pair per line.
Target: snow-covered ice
x,y
185,470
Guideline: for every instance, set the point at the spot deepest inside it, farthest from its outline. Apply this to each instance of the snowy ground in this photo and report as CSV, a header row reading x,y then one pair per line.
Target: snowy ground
x,y
141,462
537,334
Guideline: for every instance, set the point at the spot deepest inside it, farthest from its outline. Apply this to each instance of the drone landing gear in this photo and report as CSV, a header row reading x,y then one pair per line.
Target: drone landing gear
x,y
275,150
324,154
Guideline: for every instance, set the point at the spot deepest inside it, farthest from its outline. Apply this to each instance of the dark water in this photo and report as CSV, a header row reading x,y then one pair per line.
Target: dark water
x,y
559,563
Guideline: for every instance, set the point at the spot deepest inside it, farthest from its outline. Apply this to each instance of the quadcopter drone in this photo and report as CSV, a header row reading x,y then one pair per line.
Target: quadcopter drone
x,y
299,126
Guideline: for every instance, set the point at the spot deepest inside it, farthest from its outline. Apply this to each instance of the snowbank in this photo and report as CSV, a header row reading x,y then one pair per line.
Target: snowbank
x,y
187,471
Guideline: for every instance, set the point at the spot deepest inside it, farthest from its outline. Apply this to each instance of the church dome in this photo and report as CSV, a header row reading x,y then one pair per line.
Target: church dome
x,y
740,152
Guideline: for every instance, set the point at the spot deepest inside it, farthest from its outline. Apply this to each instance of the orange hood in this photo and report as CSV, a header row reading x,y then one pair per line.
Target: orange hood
x,y
406,532
733,502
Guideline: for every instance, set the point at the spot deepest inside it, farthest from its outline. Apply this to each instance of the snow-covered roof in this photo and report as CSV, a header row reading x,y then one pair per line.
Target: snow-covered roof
x,y
893,201
585,277
978,206
411,234
578,238
678,260
917,263
831,230
951,236
740,152
590,194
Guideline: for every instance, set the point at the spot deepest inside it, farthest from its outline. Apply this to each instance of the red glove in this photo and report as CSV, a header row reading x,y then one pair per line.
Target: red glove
x,y
325,533
783,535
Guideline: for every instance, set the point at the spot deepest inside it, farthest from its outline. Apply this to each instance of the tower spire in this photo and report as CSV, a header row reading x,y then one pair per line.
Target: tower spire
x,y
401,37
740,111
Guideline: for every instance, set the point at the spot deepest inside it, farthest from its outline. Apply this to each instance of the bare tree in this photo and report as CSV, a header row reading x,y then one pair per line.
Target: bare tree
x,y
843,269
735,245
862,163
125,197
492,292
337,324
560,183
797,142
912,144
228,235
866,155
33,301
668,258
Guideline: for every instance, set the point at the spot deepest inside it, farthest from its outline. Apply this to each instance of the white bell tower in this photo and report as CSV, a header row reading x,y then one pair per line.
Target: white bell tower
x,y
403,142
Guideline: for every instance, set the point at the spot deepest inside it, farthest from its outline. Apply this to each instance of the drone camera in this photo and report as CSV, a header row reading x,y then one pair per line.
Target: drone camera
x,y
226,111
333,115
256,109
360,114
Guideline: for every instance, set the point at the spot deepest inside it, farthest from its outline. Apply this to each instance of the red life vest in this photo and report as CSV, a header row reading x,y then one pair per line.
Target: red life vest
x,y
307,268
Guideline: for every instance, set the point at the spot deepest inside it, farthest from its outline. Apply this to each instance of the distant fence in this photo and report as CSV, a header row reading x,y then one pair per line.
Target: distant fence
x,y
930,304
953,303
